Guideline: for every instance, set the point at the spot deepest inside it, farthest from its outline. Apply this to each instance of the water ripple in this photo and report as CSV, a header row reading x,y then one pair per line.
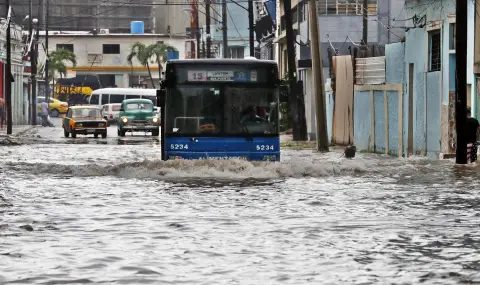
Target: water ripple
x,y
126,218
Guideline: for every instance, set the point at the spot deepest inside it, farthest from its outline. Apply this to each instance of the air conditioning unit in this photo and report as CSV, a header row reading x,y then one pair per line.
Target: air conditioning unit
x,y
104,31
94,58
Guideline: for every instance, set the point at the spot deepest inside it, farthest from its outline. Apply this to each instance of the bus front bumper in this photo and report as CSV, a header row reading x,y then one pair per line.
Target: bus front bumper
x,y
248,156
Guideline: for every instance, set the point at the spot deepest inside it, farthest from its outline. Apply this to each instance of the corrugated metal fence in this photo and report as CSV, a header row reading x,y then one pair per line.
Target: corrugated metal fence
x,y
370,70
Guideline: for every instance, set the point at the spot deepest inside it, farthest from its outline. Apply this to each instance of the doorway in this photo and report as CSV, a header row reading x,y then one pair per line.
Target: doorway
x,y
410,109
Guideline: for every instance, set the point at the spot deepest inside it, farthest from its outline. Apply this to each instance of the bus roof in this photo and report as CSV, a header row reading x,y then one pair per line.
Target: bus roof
x,y
221,61
126,91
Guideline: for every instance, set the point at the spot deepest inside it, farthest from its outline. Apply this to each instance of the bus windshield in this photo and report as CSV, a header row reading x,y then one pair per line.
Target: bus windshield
x,y
222,109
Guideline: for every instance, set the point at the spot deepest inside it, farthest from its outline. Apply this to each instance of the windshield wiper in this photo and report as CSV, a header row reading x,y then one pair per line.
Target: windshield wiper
x,y
244,127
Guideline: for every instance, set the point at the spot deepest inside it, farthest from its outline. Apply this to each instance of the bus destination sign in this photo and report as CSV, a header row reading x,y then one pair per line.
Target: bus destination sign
x,y
235,76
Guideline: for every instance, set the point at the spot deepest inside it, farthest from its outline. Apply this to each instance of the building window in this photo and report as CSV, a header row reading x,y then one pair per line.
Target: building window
x,y
111,49
453,34
236,52
65,46
345,7
434,51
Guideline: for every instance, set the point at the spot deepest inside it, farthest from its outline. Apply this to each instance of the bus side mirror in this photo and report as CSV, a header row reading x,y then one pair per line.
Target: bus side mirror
x,y
161,97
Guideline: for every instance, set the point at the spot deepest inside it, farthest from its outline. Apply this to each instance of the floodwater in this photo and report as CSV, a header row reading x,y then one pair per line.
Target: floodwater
x,y
108,211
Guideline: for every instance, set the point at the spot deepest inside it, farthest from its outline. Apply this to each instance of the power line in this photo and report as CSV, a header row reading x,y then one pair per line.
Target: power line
x,y
101,13
235,26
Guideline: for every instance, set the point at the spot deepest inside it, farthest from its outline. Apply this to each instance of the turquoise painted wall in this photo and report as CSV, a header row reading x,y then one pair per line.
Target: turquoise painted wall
x,y
362,115
415,52
433,113
430,89
395,74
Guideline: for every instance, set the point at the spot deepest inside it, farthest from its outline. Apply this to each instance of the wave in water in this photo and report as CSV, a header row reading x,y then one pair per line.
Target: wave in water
x,y
228,169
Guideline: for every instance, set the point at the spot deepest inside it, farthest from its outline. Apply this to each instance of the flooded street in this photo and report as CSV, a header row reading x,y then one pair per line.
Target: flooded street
x,y
78,211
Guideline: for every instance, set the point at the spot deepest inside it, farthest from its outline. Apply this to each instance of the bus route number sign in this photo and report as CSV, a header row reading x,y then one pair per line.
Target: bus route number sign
x,y
225,76
197,75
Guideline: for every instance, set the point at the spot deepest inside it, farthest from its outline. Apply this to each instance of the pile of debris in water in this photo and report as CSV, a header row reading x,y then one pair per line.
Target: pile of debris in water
x,y
8,141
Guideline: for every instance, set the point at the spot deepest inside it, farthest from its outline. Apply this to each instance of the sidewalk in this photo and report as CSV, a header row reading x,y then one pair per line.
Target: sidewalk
x,y
17,130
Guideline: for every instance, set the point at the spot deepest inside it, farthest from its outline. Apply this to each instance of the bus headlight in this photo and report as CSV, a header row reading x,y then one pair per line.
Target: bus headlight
x,y
155,120
124,120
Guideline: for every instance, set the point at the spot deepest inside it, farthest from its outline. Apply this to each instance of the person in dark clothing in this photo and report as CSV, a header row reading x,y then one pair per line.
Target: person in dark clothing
x,y
472,128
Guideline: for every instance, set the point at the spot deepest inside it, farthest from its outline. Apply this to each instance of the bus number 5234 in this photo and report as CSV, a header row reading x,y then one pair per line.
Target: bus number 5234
x,y
264,147
179,146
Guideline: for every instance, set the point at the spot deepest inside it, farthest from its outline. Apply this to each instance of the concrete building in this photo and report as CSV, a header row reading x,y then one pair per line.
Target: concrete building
x,y
237,30
340,27
106,55
420,90
174,18
20,93
86,15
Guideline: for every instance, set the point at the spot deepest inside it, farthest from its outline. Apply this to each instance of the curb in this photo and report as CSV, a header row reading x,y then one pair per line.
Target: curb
x,y
19,133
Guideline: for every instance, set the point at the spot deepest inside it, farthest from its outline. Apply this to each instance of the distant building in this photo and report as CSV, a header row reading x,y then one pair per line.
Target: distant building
x,y
86,15
20,73
340,29
106,55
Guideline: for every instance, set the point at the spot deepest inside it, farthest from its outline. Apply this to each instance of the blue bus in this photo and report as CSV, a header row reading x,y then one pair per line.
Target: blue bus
x,y
220,109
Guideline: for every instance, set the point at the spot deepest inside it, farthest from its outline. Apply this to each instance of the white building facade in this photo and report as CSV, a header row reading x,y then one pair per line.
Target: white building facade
x,y
20,94
105,54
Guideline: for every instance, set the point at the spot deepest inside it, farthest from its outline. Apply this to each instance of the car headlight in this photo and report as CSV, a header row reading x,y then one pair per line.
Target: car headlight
x,y
101,125
155,119
79,125
125,120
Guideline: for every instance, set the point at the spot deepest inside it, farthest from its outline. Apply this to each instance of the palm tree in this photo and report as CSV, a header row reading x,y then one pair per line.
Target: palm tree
x,y
144,54
161,54
139,51
56,63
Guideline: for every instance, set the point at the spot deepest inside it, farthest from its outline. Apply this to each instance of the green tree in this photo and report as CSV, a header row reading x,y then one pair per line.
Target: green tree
x,y
147,54
56,62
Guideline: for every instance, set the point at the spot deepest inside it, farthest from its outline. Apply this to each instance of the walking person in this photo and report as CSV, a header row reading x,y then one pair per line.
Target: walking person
x,y
44,113
2,112
473,126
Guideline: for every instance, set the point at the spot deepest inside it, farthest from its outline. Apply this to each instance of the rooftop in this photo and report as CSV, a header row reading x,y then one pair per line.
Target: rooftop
x,y
111,35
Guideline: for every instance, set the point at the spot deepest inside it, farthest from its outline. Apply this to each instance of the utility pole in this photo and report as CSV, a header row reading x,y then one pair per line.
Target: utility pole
x,y
8,70
207,15
461,36
47,85
318,86
298,117
251,27
33,60
30,35
365,21
197,32
224,29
